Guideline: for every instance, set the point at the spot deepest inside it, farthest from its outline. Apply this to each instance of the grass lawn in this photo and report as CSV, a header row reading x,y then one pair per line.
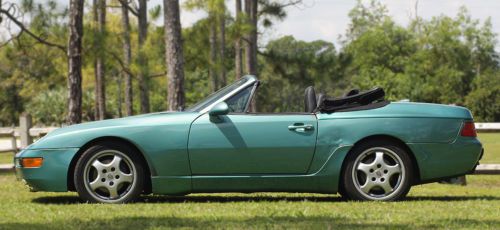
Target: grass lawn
x,y
6,158
491,143
476,205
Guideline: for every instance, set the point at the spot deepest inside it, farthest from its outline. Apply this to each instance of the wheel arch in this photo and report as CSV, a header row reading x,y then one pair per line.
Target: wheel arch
x,y
392,139
144,161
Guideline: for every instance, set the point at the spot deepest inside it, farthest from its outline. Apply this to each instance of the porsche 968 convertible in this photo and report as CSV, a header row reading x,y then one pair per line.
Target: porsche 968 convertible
x,y
359,145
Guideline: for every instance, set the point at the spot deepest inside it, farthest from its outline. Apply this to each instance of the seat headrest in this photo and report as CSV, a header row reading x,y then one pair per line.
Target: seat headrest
x,y
310,100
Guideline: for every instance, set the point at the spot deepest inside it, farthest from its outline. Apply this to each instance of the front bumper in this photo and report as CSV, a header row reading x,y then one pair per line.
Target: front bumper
x,y
52,175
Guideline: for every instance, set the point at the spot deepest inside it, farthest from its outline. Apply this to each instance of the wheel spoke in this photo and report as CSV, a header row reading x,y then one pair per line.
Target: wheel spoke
x,y
386,186
116,162
379,158
113,191
96,184
99,166
364,168
125,178
367,187
393,169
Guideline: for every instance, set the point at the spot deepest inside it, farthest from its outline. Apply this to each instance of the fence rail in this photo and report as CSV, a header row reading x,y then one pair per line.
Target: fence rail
x,y
488,127
26,133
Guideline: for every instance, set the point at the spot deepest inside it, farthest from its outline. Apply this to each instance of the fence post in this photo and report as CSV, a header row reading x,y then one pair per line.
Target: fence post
x,y
24,130
14,140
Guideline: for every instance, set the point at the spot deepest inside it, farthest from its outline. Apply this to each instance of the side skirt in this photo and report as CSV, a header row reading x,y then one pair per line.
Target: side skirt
x,y
325,180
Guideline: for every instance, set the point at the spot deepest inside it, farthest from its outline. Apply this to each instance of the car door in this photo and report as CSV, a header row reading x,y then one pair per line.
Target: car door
x,y
242,143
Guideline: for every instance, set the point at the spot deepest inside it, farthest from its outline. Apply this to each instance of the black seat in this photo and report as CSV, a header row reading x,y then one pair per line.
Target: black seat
x,y
320,98
310,100
351,92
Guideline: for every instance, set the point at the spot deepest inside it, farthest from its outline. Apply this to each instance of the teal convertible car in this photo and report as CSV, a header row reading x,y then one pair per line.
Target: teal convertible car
x,y
359,145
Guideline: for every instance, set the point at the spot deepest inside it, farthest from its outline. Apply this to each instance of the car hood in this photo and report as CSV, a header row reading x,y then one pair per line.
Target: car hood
x,y
104,127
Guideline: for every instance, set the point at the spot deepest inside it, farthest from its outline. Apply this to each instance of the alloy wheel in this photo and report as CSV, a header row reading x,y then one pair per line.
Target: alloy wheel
x,y
378,173
109,175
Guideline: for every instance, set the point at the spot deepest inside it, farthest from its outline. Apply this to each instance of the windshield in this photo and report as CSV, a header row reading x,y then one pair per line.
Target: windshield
x,y
216,96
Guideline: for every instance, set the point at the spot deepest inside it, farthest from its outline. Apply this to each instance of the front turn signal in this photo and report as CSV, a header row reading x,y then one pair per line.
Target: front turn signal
x,y
32,162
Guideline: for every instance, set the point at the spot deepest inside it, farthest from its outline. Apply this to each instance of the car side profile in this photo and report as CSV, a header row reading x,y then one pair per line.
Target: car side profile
x,y
360,146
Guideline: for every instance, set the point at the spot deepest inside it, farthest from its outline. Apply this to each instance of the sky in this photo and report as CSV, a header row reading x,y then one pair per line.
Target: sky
x,y
327,19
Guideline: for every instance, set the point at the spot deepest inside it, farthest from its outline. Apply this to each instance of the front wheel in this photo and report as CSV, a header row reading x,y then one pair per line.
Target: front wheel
x,y
109,173
377,171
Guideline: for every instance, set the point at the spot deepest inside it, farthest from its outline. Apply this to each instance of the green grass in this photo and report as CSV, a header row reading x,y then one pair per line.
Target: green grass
x,y
491,144
6,158
476,205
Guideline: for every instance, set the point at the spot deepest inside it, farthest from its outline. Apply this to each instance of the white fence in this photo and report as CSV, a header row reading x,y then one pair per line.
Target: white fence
x,y
22,136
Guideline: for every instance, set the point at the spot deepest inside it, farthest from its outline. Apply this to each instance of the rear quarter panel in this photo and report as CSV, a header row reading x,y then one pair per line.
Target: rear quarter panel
x,y
429,130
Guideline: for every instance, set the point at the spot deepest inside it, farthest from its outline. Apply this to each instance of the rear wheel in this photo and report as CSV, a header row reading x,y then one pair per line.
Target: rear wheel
x,y
109,173
377,170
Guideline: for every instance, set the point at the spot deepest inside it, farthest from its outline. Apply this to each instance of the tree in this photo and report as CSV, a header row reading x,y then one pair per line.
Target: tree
x,y
143,76
251,8
127,59
484,98
100,46
75,61
216,20
222,39
212,17
292,65
174,55
237,44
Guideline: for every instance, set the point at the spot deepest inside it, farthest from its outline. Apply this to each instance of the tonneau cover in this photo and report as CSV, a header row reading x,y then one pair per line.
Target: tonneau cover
x,y
362,100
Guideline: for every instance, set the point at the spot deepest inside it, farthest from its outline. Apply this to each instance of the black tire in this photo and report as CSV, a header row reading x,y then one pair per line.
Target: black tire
x,y
343,194
129,159
353,184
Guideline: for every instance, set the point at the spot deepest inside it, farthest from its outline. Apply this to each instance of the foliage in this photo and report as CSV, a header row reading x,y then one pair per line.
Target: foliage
x,y
443,60
48,107
484,97
449,60
291,66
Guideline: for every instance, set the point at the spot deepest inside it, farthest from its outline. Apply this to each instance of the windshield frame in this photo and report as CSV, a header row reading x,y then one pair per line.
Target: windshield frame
x,y
250,80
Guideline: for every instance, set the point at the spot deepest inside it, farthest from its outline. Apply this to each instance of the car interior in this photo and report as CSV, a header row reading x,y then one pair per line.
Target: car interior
x,y
352,100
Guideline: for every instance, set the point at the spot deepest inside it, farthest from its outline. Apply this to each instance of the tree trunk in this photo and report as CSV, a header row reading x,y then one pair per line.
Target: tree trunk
x,y
142,59
237,44
251,43
95,12
174,55
75,61
127,59
222,45
100,66
119,79
212,71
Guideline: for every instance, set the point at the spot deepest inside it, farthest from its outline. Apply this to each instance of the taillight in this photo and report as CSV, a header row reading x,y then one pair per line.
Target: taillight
x,y
468,130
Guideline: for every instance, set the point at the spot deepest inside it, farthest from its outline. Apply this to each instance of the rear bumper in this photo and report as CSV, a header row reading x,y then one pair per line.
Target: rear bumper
x,y
480,157
441,160
52,175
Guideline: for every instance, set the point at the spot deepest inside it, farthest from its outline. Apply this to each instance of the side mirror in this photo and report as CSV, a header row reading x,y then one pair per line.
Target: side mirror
x,y
219,109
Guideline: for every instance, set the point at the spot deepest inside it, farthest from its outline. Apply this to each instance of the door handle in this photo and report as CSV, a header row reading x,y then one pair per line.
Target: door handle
x,y
298,127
